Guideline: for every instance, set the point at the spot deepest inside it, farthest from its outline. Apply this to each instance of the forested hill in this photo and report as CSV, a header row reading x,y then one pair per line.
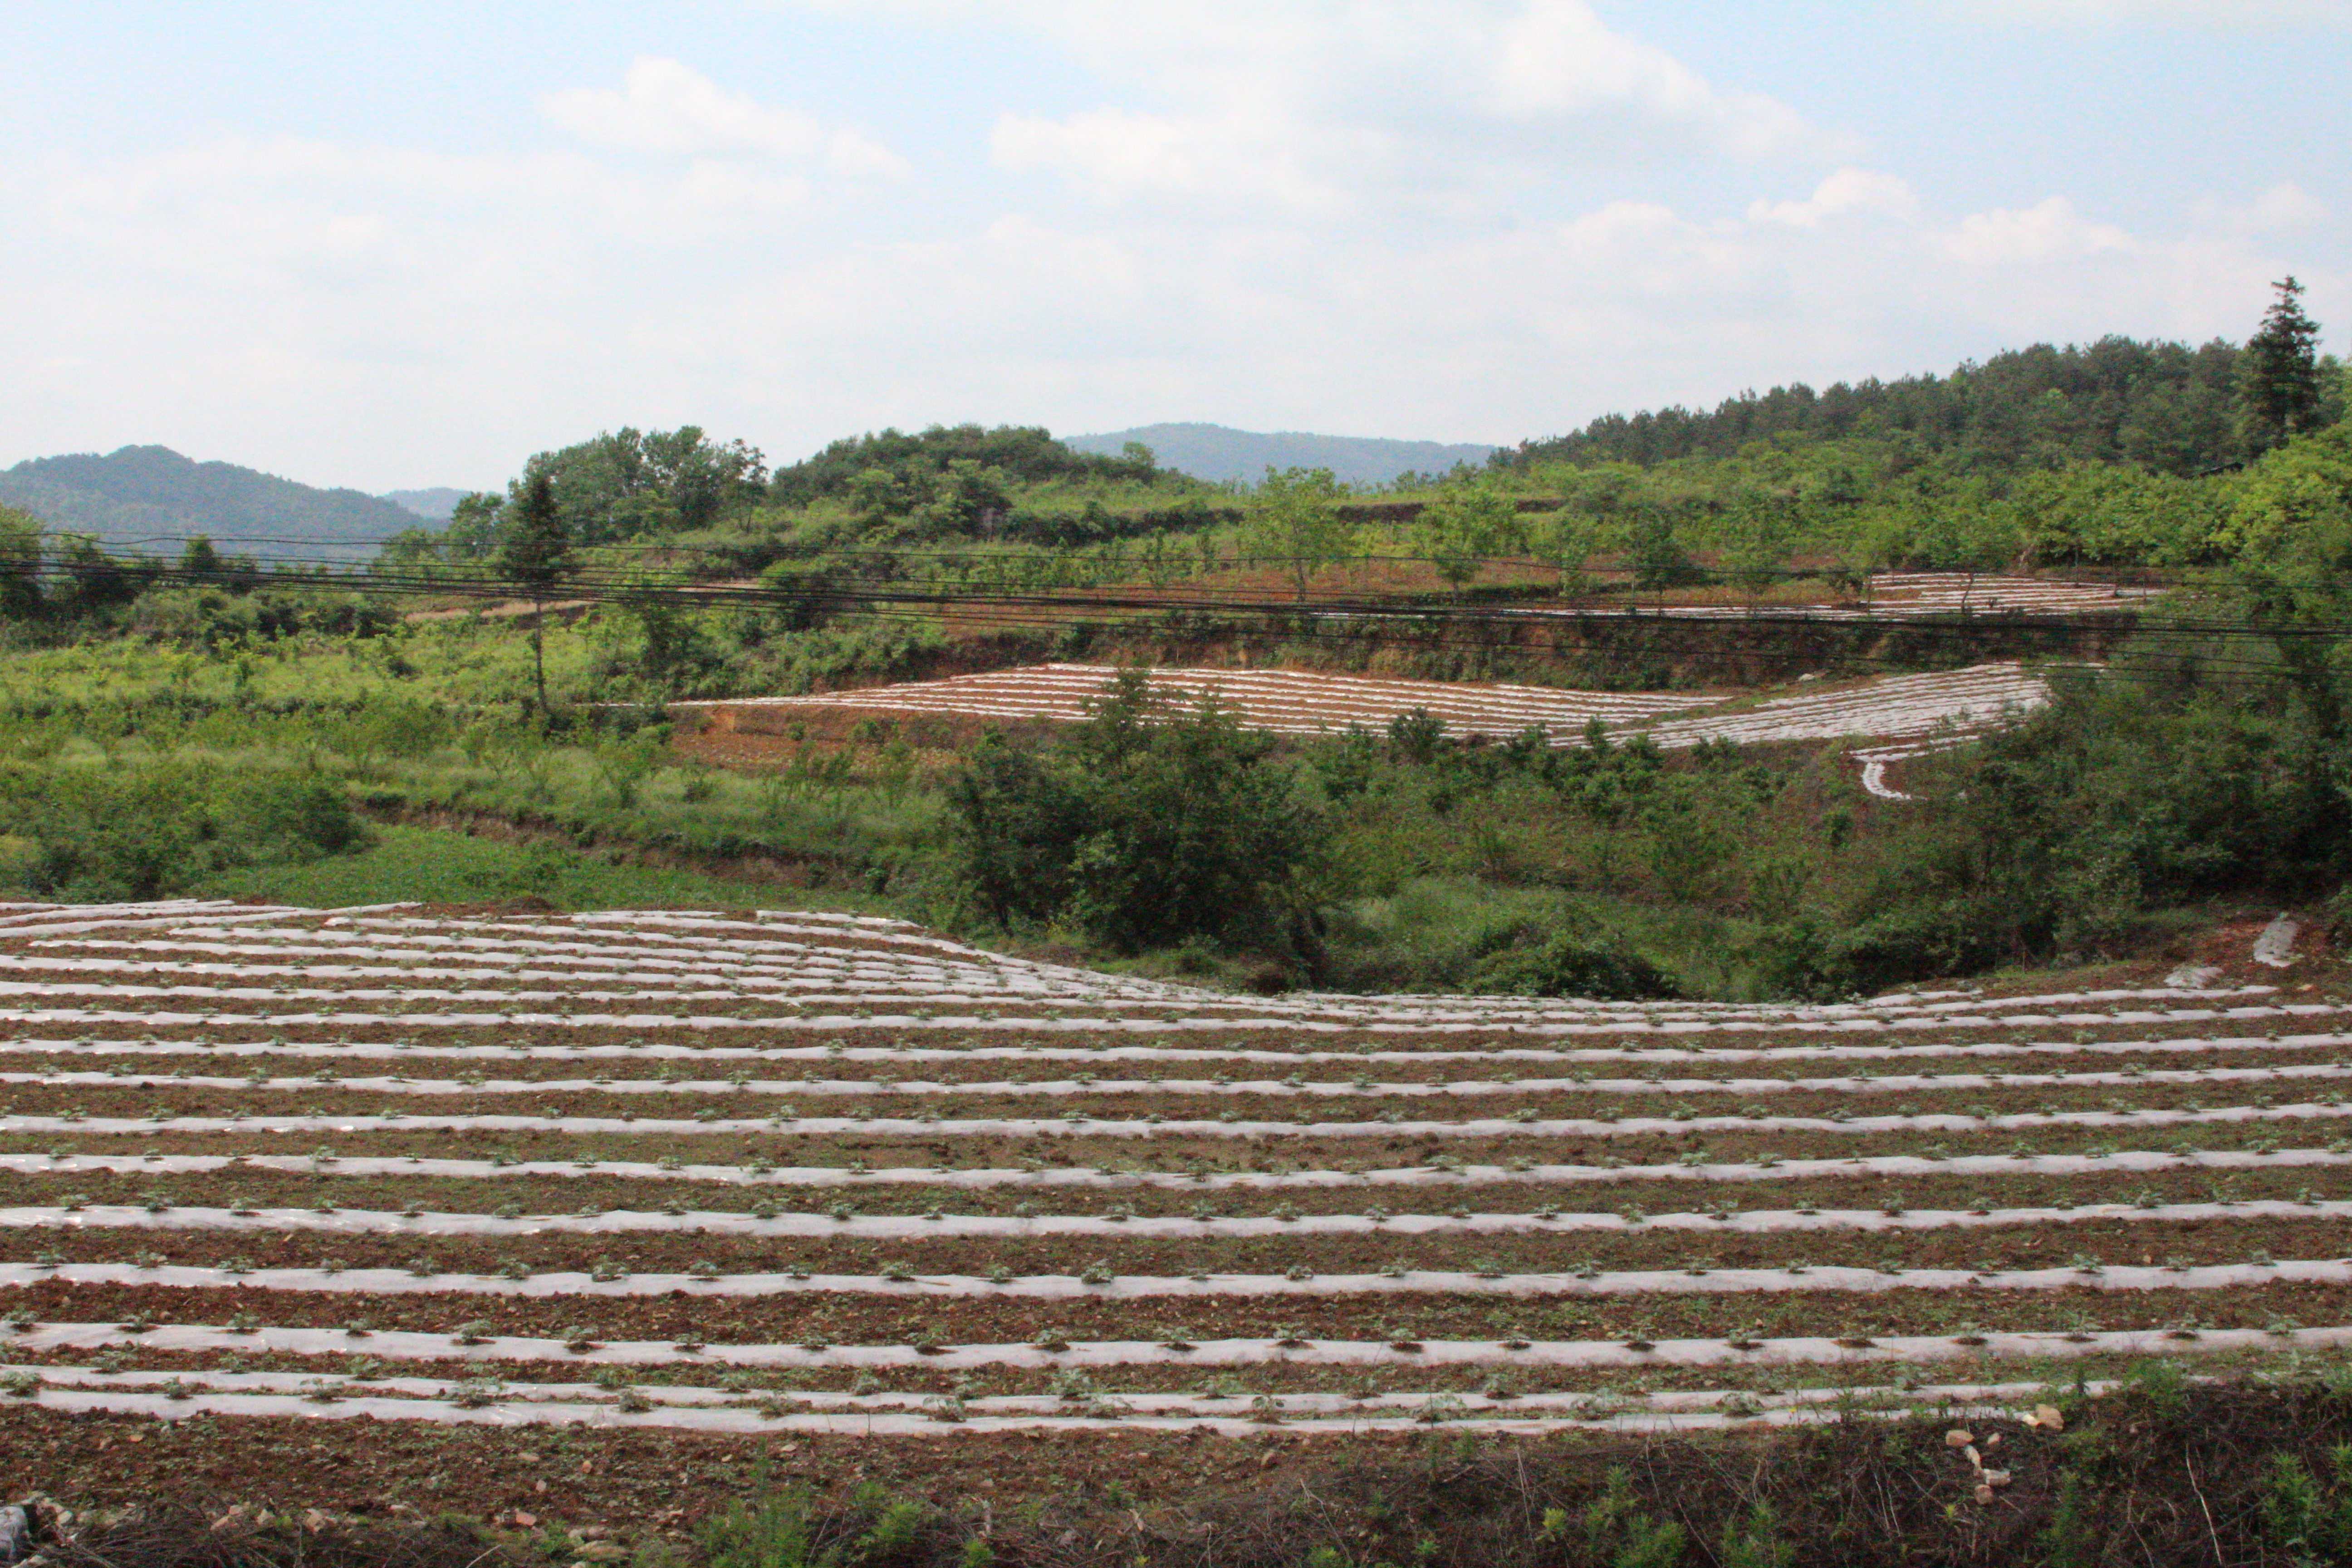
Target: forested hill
x,y
149,497
2163,406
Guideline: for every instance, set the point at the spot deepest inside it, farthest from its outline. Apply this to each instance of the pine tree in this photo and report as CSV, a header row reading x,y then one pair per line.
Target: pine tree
x,y
535,556
2278,374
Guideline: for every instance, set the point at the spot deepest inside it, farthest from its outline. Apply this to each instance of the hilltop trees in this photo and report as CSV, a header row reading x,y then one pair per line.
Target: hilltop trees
x,y
628,483
1019,454
618,485
2161,406
2165,407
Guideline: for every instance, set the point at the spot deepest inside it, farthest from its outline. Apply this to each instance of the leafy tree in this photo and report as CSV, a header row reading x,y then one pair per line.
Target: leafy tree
x,y
2297,496
20,564
535,556
2109,512
1757,546
96,581
474,527
674,648
1015,820
199,560
1569,540
2279,383
1657,552
1467,525
1297,522
628,483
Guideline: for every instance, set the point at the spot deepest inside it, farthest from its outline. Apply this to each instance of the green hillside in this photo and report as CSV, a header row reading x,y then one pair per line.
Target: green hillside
x,y
152,498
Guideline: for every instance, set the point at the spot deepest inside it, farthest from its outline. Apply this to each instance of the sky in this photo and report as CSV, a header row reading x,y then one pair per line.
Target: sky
x,y
404,246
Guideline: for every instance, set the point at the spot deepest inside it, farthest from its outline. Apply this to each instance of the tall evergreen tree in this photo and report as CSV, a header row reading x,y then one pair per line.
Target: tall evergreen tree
x,y
2278,374
534,556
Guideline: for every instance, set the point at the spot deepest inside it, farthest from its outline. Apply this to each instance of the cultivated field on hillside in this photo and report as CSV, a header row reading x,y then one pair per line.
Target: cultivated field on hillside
x,y
828,1178
1913,711
1941,593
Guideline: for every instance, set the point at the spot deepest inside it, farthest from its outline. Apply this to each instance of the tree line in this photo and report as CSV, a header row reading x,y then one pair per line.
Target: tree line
x,y
2165,407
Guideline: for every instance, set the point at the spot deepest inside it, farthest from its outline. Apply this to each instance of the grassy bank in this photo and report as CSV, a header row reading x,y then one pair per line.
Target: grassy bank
x,y
439,866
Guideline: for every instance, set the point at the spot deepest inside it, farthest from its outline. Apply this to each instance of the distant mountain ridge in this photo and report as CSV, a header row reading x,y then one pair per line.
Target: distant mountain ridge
x,y
1219,454
437,504
151,497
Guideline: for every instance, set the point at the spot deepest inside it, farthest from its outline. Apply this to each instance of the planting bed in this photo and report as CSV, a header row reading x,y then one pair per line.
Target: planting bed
x,y
726,1177
1302,702
1951,592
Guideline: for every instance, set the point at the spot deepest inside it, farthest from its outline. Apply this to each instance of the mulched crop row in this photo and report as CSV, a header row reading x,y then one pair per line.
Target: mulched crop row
x,y
605,1193
1180,1152
2107,1241
863,1320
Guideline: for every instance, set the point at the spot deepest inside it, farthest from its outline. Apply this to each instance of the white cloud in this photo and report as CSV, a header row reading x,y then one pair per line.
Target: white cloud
x,y
1558,60
668,107
1845,193
1117,154
1326,106
2284,206
2050,230
1249,246
2203,13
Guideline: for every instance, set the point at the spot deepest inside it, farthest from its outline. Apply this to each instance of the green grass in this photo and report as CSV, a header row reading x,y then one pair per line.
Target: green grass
x,y
429,866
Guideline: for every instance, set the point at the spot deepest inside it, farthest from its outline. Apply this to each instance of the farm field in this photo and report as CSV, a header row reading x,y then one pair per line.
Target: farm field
x,y
1355,587
1945,592
875,1199
1916,712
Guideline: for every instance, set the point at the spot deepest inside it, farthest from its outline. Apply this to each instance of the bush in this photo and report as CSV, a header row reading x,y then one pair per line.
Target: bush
x,y
88,833
1574,966
2128,793
1142,828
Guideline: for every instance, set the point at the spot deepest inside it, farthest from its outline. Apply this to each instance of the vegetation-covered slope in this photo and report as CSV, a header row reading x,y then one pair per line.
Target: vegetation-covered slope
x,y
2162,406
2207,766
152,495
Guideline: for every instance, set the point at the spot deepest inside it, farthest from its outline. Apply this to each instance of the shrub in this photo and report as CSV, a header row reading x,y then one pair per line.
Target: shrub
x,y
86,833
1142,828
1573,966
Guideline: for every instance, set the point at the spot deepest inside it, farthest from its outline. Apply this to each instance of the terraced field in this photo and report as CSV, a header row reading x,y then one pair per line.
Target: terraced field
x,y
807,1175
1304,702
1950,592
